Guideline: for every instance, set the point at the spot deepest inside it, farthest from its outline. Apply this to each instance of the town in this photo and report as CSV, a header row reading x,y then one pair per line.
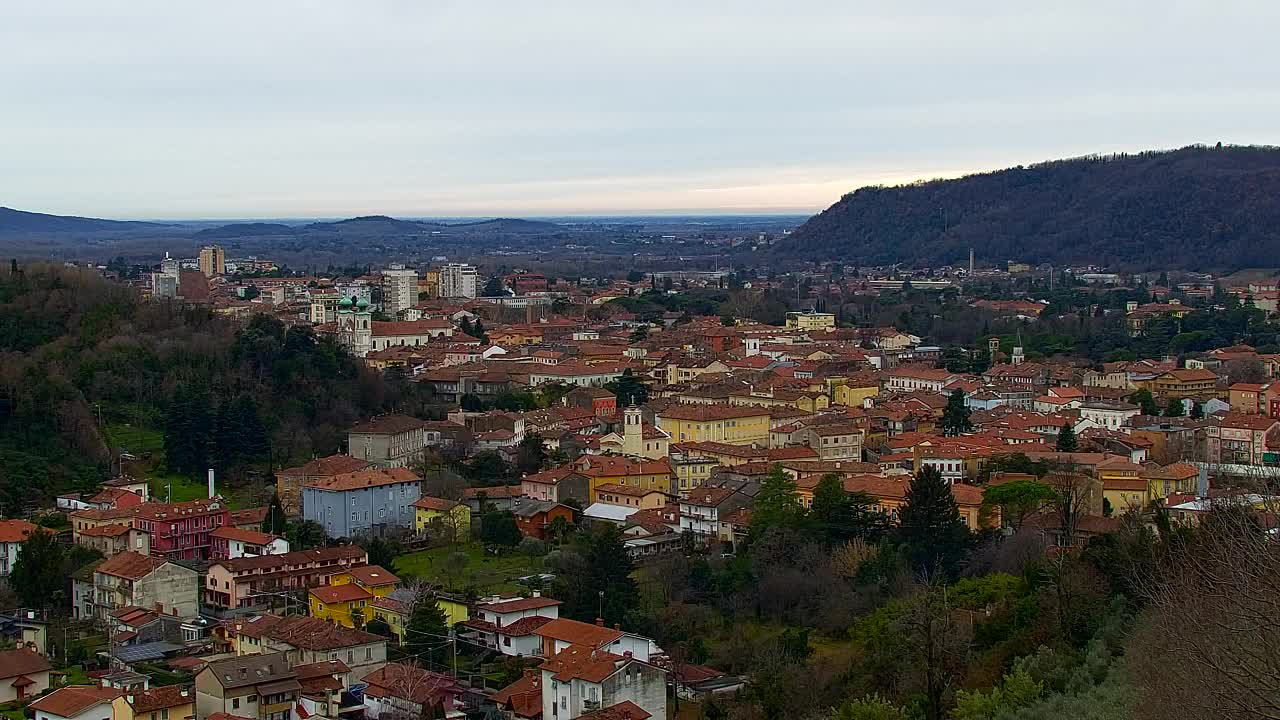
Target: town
x,y
518,531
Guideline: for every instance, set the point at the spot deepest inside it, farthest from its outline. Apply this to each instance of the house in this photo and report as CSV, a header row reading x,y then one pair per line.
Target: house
x,y
289,482
77,702
919,377
388,441
1111,416
616,470
259,687
115,538
522,699
408,333
563,632
178,531
143,581
508,626
247,582
599,401
377,580
1121,495
1185,383
395,608
406,691
534,516
362,502
557,484
890,494
348,598
303,640
580,681
629,496
23,674
1243,440
232,542
438,516
834,442
168,702
733,424
810,320
322,686
1173,479
499,498
703,507
12,534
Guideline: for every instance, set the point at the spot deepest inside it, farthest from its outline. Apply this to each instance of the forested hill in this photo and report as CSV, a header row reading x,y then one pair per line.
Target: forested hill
x,y
1194,208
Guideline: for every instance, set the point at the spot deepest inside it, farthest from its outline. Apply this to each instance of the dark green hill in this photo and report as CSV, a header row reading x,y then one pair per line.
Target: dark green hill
x,y
236,230
21,221
1194,208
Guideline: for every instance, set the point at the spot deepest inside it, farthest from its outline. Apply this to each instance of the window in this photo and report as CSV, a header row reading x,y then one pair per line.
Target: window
x,y
368,653
235,703
351,656
253,699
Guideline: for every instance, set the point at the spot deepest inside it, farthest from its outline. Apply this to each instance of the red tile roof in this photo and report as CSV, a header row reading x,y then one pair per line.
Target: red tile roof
x,y
332,465
130,565
373,575
579,633
68,702
21,662
348,592
15,531
518,605
374,477
167,696
246,536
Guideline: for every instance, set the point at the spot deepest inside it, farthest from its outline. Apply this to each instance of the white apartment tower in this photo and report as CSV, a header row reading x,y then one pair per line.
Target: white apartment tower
x,y
399,290
458,280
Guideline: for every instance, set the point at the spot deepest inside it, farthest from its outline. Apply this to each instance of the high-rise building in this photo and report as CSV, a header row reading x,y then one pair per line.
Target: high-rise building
x,y
399,289
213,261
458,280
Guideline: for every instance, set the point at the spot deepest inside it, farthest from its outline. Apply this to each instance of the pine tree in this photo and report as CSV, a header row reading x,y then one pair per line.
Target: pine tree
x,y
189,427
955,418
1144,399
427,630
38,573
1067,438
777,505
931,525
629,390
275,522
1175,408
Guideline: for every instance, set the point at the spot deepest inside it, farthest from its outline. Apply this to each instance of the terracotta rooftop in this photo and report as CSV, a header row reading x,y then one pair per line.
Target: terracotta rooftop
x,y
21,662
373,575
130,565
579,633
68,702
331,465
387,425
345,593
373,477
518,605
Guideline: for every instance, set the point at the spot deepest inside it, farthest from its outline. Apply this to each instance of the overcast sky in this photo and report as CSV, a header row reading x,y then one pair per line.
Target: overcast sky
x,y
269,108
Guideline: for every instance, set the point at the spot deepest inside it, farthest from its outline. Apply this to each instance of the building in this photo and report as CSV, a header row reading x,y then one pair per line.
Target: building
x,y
250,581
834,442
213,261
340,604
399,290
232,542
396,607
355,326
810,320
143,581
12,534
702,509
289,482
363,502
508,626
732,424
259,687
1185,383
23,674
458,280
1243,440
168,702
533,517
388,441
580,681
629,496
1111,416
115,538
78,702
408,333
447,517
399,691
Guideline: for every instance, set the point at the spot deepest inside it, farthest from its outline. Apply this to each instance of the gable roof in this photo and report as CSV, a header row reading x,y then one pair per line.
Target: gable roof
x,y
579,633
331,465
373,575
130,565
71,701
21,662
360,479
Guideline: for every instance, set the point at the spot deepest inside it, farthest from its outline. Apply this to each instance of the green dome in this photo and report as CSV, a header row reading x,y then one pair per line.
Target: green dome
x,y
362,304
344,302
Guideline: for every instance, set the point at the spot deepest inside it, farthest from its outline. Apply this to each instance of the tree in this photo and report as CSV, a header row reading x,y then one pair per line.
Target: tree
x,y
531,454
428,629
187,429
454,564
640,334
1145,400
777,505
594,579
38,575
1067,438
275,522
357,618
379,627
383,550
558,530
628,389
493,288
1174,408
500,528
838,516
635,276
934,648
1197,410
871,707
1016,690
931,525
1018,500
955,417
305,534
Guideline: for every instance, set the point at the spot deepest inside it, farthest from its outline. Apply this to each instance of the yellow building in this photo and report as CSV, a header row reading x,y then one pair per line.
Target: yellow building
x,y
213,260
810,320
395,609
373,578
444,516
1125,494
339,604
615,470
852,392
1175,478
169,702
733,424
691,472
628,496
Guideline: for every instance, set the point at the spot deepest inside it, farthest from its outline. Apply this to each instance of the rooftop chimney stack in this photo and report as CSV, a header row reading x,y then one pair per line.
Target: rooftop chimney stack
x,y
210,483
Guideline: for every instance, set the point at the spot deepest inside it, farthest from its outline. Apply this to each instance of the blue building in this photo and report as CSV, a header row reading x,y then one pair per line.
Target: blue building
x,y
365,502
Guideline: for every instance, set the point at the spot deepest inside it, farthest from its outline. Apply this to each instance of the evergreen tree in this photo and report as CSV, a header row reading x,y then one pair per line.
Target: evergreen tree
x,y
838,516
1197,410
955,418
628,389
427,630
189,425
500,528
1145,400
777,505
275,522
931,525
1174,408
531,454
1067,438
38,575
598,582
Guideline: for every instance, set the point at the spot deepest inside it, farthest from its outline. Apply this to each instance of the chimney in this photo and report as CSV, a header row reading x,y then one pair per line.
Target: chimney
x,y
599,622
129,699
210,483
1202,482
184,692
537,593
617,626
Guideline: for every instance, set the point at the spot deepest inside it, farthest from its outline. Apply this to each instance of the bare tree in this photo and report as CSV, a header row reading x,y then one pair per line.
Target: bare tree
x,y
1214,625
937,643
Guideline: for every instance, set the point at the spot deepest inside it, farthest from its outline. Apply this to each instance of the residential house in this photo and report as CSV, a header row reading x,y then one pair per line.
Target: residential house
x,y
23,674
438,516
12,534
616,470
599,401
115,538
1122,495
167,702
395,608
702,509
1173,479
251,581
289,482
231,542
1111,416
919,377
1185,383
305,640
406,691
508,626
78,702
340,604
498,497
564,632
388,441
131,579
580,681
834,442
534,516
890,494
1243,440
363,502
323,684
557,485
258,687
629,496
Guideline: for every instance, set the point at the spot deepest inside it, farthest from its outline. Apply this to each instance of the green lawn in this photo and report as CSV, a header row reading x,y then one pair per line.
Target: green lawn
x,y
134,439
486,573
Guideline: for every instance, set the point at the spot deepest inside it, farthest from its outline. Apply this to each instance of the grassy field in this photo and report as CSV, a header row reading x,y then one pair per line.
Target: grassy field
x,y
486,573
134,439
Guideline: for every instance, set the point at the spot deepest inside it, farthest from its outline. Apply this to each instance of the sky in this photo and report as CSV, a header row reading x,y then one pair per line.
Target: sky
x,y
231,109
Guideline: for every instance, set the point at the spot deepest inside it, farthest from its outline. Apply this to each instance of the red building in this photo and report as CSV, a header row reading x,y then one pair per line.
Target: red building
x,y
534,516
181,531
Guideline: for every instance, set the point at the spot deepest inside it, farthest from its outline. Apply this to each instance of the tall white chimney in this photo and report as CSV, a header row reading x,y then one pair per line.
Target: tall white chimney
x,y
211,482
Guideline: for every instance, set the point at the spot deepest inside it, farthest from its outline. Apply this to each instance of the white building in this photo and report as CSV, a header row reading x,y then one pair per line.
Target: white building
x,y
509,626
580,679
399,290
12,535
1111,416
78,702
458,280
